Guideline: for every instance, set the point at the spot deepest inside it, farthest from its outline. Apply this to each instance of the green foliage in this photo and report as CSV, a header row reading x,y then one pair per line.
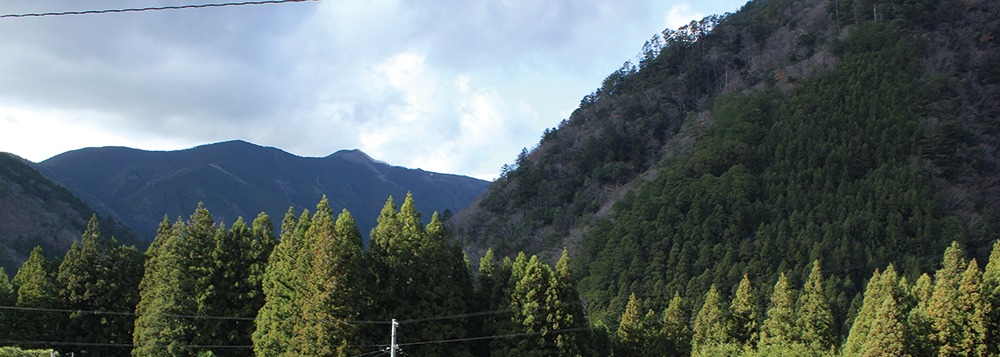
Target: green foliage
x,y
237,265
282,288
10,351
46,214
8,297
176,277
880,287
956,308
779,326
675,333
990,290
417,274
633,335
919,330
98,274
745,315
568,313
710,325
546,314
815,324
329,265
782,178
36,288
886,336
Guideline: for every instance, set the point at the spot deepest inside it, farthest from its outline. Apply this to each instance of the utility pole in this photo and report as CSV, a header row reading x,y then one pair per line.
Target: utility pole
x,y
392,344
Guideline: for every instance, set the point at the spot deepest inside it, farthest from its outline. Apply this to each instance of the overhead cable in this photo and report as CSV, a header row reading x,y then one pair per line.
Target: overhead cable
x,y
157,8
180,316
466,339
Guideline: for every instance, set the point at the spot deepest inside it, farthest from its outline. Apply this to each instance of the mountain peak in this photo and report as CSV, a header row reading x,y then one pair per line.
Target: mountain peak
x,y
357,156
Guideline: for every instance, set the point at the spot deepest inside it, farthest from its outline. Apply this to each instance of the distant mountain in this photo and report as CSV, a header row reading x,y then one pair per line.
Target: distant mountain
x,y
35,211
237,178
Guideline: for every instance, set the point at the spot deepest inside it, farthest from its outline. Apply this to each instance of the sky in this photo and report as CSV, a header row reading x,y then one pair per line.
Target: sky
x,y
451,86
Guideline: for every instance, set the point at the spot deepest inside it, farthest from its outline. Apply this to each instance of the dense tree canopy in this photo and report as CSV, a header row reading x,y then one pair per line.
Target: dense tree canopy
x,y
780,181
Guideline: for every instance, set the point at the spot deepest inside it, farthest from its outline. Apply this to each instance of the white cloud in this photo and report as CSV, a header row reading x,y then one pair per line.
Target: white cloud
x,y
681,14
40,134
451,85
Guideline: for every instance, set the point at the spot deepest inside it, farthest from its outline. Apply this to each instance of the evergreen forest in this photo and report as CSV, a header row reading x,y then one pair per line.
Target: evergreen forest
x,y
202,289
798,178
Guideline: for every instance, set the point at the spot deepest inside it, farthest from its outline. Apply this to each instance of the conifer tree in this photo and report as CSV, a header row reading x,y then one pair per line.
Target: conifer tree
x,y
262,245
919,327
990,289
485,283
779,326
974,311
674,329
386,229
419,275
631,339
390,260
530,307
443,287
34,282
886,335
36,288
862,322
567,312
347,227
745,314
176,279
97,274
276,319
410,225
710,325
529,279
235,284
944,306
8,297
880,286
332,288
499,299
815,323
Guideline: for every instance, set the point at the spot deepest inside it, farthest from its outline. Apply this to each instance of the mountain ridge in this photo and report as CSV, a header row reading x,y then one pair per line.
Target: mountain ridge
x,y
240,179
34,211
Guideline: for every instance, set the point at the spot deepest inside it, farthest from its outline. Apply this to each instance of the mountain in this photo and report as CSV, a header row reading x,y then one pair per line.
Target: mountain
x,y
240,179
35,211
858,132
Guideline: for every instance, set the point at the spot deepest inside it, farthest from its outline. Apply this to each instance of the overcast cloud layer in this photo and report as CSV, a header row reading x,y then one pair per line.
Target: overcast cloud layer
x,y
448,86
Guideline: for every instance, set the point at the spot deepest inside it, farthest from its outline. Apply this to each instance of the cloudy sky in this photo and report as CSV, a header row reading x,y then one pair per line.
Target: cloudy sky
x,y
450,86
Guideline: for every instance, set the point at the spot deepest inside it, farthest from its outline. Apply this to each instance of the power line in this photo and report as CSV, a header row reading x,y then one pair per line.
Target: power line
x,y
159,8
372,353
457,316
105,344
479,313
120,313
66,343
466,339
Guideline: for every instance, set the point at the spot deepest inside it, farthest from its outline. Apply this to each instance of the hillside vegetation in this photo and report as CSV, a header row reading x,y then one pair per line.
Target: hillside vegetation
x,y
800,178
754,143
34,211
209,290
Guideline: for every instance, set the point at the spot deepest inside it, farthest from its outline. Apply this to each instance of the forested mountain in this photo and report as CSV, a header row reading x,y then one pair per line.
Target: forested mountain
x,y
34,211
860,132
799,178
237,178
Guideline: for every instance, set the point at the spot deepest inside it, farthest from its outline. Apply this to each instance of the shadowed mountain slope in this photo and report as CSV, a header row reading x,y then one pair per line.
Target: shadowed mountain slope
x,y
237,178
